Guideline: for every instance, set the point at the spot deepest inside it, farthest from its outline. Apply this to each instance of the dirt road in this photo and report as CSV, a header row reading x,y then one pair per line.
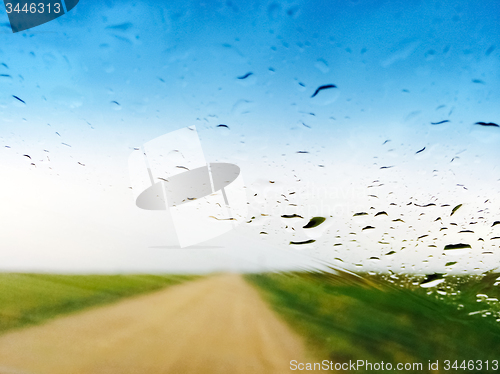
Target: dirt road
x,y
214,325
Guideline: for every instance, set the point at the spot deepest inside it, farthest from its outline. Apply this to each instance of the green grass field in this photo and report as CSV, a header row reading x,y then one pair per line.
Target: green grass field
x,y
343,317
376,318
32,298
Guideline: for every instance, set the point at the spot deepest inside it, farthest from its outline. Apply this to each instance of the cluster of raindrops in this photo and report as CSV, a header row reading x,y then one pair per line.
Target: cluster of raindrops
x,y
474,294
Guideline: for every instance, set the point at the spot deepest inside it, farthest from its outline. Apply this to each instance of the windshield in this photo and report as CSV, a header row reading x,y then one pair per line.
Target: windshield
x,y
354,140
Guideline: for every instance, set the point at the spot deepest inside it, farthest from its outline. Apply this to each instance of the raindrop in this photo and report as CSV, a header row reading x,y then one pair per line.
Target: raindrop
x,y
487,124
455,209
121,27
432,280
245,76
5,77
292,11
322,66
489,50
314,222
457,246
423,149
15,97
303,242
324,87
440,122
291,216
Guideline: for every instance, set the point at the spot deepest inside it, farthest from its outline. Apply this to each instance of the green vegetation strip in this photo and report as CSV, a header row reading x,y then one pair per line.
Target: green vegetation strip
x,y
347,318
27,299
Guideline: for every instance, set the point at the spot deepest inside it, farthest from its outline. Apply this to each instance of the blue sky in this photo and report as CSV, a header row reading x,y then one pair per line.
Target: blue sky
x,y
110,76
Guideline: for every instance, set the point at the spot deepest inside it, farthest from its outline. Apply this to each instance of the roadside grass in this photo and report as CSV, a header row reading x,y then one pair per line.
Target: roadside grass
x,y
27,299
376,318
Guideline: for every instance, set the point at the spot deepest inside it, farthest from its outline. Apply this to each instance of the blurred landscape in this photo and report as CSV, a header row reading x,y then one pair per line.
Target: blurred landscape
x,y
27,299
339,316
381,318
367,134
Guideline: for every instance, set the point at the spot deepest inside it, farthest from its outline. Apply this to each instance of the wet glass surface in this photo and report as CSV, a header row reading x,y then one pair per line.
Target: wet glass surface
x,y
366,133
